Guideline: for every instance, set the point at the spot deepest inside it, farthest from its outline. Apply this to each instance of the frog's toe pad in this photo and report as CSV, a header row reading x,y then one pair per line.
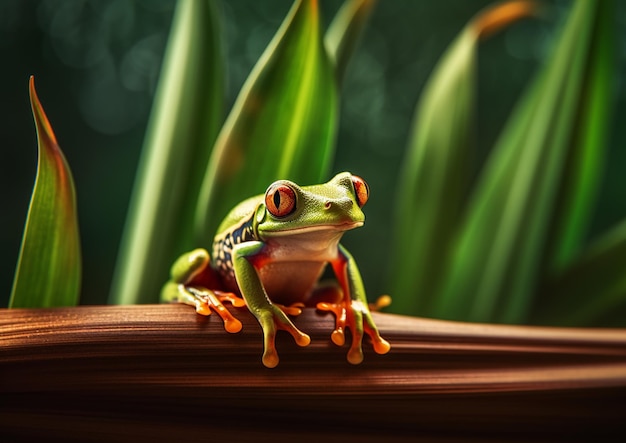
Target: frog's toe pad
x,y
355,356
338,337
270,355
270,358
232,325
293,310
381,346
203,308
302,339
381,303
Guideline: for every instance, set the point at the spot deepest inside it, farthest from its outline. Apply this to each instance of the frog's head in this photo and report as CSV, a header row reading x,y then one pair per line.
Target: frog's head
x,y
289,209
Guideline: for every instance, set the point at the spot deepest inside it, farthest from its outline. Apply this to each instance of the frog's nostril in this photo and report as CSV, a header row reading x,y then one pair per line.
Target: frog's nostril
x,y
340,204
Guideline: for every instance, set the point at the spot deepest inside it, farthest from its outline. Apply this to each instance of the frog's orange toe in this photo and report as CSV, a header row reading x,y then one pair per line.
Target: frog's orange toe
x,y
355,356
381,302
293,310
232,325
381,346
233,299
270,358
338,337
302,339
299,337
203,308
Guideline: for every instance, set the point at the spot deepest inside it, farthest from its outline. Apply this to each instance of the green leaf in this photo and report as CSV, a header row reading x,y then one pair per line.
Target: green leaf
x,y
587,138
437,168
591,290
182,130
345,31
497,261
282,125
49,266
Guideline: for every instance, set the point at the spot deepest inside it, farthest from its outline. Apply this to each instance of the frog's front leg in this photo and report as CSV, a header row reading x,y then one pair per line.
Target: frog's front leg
x,y
270,317
352,312
193,282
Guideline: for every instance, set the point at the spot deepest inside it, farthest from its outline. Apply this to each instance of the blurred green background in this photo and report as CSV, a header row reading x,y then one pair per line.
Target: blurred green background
x,y
96,64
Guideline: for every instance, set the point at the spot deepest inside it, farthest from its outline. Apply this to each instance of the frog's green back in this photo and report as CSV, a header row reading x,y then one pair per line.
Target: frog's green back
x,y
242,211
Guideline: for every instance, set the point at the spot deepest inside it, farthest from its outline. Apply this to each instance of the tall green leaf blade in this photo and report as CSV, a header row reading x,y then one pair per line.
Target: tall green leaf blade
x,y
182,130
436,172
497,260
590,290
49,266
345,31
582,172
282,125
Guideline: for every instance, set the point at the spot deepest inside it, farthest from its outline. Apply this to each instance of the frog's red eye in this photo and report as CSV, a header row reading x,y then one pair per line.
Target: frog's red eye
x,y
280,200
361,190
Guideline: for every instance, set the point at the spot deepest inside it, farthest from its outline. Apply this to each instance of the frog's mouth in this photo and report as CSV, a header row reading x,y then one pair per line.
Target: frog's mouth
x,y
317,243
329,227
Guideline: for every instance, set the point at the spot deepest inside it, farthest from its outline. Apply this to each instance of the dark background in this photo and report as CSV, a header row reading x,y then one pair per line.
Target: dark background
x,y
96,65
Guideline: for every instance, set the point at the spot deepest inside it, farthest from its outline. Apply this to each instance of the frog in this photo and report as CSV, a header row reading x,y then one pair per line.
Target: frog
x,y
269,254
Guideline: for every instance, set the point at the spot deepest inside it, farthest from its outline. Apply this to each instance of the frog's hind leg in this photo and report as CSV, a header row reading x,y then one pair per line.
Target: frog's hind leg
x,y
205,301
191,276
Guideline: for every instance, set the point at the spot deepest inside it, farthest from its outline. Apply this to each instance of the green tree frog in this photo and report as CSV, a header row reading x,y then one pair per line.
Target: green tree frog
x,y
271,250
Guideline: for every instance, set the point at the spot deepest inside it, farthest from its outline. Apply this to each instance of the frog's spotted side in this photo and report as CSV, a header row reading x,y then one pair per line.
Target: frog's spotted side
x,y
223,249
271,249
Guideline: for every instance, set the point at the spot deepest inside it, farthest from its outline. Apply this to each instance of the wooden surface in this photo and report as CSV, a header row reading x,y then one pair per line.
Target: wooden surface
x,y
164,373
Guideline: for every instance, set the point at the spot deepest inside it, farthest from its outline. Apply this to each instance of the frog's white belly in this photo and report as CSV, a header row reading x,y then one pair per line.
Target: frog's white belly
x,y
290,282
295,262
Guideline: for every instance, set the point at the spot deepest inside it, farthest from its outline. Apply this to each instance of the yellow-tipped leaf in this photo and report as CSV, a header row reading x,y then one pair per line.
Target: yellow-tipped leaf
x,y
436,172
533,194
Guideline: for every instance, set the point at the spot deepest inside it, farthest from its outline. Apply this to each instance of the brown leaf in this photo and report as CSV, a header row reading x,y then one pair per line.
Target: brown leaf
x,y
164,373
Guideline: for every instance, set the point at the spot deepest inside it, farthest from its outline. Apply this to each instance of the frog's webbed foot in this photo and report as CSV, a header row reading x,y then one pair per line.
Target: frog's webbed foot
x,y
355,316
206,301
273,318
190,278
